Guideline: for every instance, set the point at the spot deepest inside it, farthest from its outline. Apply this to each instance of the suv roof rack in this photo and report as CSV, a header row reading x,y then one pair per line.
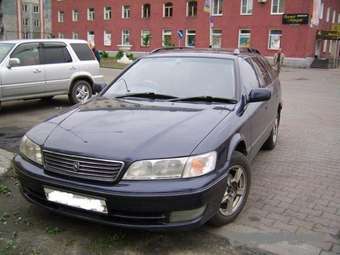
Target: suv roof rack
x,y
230,50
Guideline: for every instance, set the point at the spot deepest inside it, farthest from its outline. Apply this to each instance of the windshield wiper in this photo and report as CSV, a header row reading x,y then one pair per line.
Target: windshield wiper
x,y
206,99
150,95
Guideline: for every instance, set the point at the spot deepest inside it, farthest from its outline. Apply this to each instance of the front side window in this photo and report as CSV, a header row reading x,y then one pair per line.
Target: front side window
x,y
217,7
190,40
216,38
191,8
75,15
264,75
248,75
168,10
126,37
195,76
246,7
28,54
90,14
60,16
167,38
125,11
146,11
244,38
4,49
145,39
275,39
107,38
277,7
107,13
55,53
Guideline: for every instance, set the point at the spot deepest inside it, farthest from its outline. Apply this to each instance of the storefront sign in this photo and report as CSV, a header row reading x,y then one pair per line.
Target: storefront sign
x,y
328,35
295,19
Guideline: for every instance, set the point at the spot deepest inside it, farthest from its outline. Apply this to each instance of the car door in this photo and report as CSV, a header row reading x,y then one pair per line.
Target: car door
x,y
262,123
26,79
254,112
58,65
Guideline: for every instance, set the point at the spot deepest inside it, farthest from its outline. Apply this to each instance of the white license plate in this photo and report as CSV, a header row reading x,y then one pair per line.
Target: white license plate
x,y
76,200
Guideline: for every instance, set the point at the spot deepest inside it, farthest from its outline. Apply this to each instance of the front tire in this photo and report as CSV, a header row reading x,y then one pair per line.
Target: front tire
x,y
237,191
80,92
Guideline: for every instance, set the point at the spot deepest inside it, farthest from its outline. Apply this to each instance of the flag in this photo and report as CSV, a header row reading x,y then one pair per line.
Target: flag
x,y
207,6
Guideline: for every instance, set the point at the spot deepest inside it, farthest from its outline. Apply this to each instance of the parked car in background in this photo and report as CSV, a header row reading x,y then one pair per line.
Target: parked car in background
x,y
46,68
167,145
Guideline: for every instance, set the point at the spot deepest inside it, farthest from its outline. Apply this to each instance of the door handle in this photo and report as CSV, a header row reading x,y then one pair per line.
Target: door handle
x,y
37,71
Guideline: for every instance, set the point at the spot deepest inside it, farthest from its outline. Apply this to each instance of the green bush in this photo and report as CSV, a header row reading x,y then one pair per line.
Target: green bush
x,y
119,54
130,56
104,54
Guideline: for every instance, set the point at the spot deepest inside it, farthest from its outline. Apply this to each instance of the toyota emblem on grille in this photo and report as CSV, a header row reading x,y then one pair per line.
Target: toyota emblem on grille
x,y
76,166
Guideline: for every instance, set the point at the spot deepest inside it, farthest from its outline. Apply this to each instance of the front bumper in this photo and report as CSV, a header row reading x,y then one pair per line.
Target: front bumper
x,y
131,204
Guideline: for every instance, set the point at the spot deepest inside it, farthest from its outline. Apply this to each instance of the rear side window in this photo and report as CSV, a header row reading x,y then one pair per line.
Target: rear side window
x,y
83,51
55,53
28,54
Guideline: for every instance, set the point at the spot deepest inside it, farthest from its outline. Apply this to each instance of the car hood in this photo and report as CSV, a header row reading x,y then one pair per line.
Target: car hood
x,y
130,130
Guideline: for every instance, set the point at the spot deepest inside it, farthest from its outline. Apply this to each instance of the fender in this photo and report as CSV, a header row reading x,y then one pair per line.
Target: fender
x,y
82,74
234,142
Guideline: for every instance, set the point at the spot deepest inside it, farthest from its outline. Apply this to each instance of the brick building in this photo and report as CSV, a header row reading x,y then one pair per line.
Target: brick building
x,y
143,25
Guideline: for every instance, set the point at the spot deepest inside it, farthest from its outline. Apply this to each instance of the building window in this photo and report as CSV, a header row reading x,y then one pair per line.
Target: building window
x,y
146,11
217,7
107,38
167,10
339,18
190,39
75,35
244,38
126,37
60,16
61,35
277,6
328,14
216,38
36,23
274,39
126,11
330,46
191,8
26,22
246,7
334,16
167,38
36,8
90,14
25,7
145,38
75,15
90,36
27,35
107,13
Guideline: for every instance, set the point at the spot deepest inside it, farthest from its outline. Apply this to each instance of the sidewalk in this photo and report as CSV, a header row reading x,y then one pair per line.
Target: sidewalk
x,y
5,161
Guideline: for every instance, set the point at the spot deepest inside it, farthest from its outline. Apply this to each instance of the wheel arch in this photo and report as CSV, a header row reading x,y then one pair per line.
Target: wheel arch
x,y
237,143
79,78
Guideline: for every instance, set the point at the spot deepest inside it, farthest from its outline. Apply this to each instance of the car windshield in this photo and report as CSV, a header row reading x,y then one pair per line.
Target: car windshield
x,y
4,49
178,77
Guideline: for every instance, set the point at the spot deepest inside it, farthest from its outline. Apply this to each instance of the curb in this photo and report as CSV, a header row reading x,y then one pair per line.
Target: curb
x,y
5,161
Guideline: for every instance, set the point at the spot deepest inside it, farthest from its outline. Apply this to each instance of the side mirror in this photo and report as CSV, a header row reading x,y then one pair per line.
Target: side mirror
x,y
259,95
98,87
13,62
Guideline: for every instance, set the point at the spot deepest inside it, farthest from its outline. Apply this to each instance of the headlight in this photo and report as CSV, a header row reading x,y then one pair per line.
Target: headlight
x,y
172,168
31,150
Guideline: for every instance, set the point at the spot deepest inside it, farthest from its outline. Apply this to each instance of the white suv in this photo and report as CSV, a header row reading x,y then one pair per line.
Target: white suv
x,y
46,68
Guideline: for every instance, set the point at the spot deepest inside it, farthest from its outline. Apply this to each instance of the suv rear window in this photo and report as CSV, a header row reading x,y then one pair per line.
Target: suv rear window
x,y
83,51
55,53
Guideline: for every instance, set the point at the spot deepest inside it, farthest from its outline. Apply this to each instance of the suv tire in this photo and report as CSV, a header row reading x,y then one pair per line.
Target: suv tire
x,y
80,92
272,139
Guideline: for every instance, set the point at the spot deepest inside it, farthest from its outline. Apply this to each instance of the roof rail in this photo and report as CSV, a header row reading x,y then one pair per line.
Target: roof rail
x,y
232,50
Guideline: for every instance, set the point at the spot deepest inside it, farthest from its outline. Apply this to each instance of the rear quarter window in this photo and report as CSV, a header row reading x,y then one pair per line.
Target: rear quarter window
x,y
83,52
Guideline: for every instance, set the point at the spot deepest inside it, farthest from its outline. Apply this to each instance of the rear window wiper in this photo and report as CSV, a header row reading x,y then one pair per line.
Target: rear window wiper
x,y
206,99
150,95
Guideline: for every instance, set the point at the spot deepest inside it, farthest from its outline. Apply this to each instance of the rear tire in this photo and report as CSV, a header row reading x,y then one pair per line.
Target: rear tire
x,y
237,191
80,92
272,139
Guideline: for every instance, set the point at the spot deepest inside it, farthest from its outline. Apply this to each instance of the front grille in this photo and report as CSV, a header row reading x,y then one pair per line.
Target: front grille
x,y
82,167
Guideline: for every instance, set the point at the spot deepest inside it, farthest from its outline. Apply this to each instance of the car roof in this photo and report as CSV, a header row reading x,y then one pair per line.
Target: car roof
x,y
44,40
203,52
